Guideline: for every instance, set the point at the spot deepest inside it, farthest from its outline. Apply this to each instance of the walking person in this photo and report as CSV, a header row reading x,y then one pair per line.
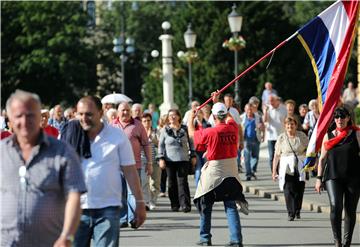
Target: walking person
x,y
274,116
153,184
339,168
137,136
252,138
200,123
290,151
163,121
111,155
40,181
57,120
219,179
174,154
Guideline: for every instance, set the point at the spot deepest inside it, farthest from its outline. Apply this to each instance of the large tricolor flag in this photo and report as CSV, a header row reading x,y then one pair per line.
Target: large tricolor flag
x,y
328,40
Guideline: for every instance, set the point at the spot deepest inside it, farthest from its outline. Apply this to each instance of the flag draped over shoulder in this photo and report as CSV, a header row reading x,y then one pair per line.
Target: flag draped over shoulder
x,y
328,40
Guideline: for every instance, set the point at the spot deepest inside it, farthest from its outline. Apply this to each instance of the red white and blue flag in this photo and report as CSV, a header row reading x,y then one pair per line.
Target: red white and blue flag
x,y
328,40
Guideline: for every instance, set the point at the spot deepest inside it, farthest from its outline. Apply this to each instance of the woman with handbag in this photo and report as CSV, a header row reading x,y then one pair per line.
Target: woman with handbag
x,y
340,154
175,147
290,149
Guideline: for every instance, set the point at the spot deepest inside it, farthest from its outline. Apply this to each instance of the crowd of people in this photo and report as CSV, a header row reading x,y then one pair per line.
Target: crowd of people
x,y
88,171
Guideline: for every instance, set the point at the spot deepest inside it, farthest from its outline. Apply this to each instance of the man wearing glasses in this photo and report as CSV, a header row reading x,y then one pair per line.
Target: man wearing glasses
x,y
40,181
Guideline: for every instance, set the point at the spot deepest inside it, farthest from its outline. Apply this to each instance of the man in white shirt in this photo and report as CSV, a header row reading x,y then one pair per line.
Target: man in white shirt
x,y
194,105
111,153
274,117
266,94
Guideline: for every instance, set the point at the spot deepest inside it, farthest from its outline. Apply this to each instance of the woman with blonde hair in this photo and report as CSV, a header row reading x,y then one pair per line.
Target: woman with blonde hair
x,y
290,150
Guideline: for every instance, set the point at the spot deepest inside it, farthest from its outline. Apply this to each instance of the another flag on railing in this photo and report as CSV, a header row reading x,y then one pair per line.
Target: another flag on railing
x,y
328,40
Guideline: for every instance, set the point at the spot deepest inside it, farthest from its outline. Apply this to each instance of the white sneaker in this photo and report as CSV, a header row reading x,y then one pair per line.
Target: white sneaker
x,y
152,206
243,207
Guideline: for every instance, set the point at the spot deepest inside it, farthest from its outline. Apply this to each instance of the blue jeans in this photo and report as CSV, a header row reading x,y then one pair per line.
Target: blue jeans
x,y
251,155
233,219
238,159
271,149
200,161
100,225
127,212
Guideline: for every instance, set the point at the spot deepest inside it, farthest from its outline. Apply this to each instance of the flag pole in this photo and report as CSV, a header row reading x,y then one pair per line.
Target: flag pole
x,y
248,69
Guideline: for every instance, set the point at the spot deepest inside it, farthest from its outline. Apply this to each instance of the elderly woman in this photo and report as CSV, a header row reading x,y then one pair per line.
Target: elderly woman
x,y
339,167
290,149
175,147
153,181
311,117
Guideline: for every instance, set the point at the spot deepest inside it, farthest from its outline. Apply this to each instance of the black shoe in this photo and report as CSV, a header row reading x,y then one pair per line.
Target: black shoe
x,y
248,178
243,206
291,218
298,215
254,176
124,225
175,209
234,244
204,243
186,209
133,225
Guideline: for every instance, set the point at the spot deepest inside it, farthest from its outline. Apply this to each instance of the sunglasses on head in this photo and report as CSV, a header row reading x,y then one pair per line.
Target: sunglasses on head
x,y
340,115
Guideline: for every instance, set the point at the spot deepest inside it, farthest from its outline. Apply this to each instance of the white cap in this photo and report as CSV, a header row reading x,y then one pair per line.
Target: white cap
x,y
44,111
219,109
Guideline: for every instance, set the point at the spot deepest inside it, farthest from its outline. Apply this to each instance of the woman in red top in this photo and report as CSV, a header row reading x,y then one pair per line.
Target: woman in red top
x,y
48,129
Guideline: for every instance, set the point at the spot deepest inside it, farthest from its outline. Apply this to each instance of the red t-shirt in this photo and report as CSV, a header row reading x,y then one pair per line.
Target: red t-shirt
x,y
4,134
221,140
51,131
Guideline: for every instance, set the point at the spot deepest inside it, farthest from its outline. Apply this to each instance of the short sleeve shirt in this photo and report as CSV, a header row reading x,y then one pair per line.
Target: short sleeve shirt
x,y
110,150
276,122
298,144
32,210
221,140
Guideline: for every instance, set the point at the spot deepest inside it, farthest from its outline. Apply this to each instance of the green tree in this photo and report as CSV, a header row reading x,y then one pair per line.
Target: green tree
x,y
45,50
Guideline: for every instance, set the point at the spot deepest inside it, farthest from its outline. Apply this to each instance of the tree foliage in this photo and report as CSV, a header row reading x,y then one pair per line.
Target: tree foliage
x,y
44,50
47,48
265,25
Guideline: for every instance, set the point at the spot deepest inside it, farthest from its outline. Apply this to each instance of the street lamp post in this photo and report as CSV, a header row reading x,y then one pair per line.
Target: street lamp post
x,y
123,48
190,40
235,22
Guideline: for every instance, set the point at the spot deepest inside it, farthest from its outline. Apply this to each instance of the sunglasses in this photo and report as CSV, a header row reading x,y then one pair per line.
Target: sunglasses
x,y
340,115
22,175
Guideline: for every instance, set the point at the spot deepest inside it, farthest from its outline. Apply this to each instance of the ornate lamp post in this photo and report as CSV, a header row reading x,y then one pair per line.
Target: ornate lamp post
x,y
235,44
190,56
123,48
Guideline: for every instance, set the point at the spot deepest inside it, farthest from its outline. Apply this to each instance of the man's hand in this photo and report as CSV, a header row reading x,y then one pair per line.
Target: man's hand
x,y
62,242
140,213
162,164
193,161
274,176
241,146
192,115
149,169
215,96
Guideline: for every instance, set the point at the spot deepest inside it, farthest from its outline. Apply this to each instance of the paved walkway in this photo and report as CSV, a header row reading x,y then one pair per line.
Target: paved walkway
x,y
265,226
265,187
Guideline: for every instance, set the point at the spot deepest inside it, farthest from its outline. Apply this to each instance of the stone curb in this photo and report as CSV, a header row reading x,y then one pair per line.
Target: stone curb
x,y
276,196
